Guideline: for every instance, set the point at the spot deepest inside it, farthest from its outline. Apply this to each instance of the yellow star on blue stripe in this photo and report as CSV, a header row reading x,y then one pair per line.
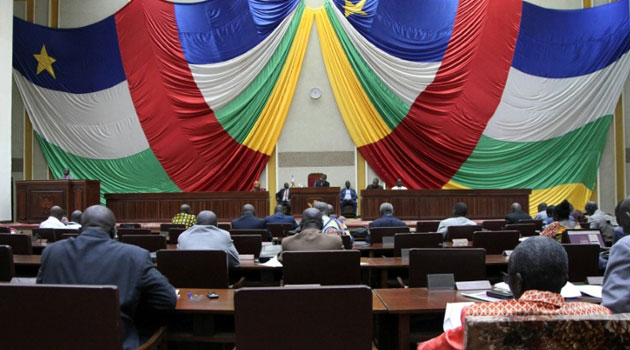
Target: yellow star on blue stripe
x,y
45,62
357,8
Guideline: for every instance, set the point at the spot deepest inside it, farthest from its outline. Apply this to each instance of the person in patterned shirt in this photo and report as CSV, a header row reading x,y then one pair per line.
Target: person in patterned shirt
x,y
537,269
185,217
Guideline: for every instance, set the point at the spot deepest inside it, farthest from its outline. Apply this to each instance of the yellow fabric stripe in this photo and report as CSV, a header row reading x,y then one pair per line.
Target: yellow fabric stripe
x,y
363,121
265,133
577,194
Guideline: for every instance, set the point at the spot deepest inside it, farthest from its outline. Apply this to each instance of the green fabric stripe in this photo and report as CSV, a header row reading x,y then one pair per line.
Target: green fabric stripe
x,y
140,172
571,158
391,108
240,115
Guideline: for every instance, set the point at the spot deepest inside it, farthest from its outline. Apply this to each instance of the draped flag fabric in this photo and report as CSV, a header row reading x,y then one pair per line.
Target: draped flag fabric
x,y
478,93
163,97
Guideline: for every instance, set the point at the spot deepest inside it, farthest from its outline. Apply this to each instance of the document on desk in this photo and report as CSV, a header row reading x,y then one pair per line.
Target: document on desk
x,y
568,291
594,291
273,262
453,315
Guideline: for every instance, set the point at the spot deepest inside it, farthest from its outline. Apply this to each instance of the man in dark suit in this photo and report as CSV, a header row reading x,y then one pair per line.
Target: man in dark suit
x,y
280,218
516,214
322,182
248,219
283,197
348,197
96,258
387,218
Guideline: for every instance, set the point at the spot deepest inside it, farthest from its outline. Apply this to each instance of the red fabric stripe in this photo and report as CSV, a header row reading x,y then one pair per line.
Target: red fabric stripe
x,y
446,121
183,132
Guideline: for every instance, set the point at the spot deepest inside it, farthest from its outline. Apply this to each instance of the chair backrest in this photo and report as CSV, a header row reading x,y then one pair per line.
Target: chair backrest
x,y
263,233
463,231
62,231
495,242
248,244
45,233
129,225
312,178
133,231
427,226
593,332
347,241
538,224
20,244
173,235
377,233
416,240
325,267
68,235
152,243
312,318
467,264
7,268
5,229
225,226
72,317
194,268
493,225
583,261
279,229
167,227
526,230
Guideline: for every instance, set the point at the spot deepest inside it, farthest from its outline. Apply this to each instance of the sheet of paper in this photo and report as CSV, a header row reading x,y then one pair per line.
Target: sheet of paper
x,y
480,296
452,314
273,262
594,291
503,286
570,291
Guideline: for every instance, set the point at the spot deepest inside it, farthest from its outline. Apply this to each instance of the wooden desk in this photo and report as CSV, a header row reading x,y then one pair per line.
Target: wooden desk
x,y
438,204
161,207
36,197
302,197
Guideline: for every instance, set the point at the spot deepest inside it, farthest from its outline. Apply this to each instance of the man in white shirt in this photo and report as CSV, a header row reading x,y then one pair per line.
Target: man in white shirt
x,y
399,185
459,218
54,220
75,220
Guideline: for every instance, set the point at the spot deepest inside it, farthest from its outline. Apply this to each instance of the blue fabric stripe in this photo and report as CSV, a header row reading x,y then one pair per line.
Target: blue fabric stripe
x,y
216,31
92,49
569,43
414,30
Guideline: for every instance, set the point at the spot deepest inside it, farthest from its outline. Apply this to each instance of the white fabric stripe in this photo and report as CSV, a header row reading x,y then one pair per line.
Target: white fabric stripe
x,y
536,109
97,125
406,79
221,82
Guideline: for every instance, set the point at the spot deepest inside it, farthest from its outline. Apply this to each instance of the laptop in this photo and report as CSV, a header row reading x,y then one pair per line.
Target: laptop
x,y
586,237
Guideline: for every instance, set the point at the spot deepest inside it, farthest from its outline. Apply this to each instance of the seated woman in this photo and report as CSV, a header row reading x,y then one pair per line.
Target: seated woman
x,y
561,222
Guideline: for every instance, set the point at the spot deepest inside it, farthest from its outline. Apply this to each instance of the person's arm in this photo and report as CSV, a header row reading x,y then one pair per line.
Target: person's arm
x,y
354,195
233,260
42,266
156,291
616,289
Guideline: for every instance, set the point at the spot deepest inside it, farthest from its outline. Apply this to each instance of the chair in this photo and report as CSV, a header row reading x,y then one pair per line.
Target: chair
x,y
377,233
164,228
62,231
20,244
463,231
263,233
248,244
416,240
194,268
279,230
312,318
312,178
5,229
495,242
325,267
173,235
593,332
347,241
7,268
467,264
129,225
427,226
526,230
132,231
225,226
583,261
151,243
45,233
348,212
493,225
538,224
68,235
75,317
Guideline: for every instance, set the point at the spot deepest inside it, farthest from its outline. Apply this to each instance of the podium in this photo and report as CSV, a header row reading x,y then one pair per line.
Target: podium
x,y
302,197
35,198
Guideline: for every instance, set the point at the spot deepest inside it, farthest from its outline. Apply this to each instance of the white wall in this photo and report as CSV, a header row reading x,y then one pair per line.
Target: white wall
x,y
6,56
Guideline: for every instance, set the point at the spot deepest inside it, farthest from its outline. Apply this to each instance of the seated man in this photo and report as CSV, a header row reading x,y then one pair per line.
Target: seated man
x,y
75,220
599,220
516,214
322,181
459,218
96,258
374,185
542,212
387,218
185,217
248,219
348,197
283,197
257,187
537,270
399,185
331,224
279,217
205,235
54,220
311,236
616,289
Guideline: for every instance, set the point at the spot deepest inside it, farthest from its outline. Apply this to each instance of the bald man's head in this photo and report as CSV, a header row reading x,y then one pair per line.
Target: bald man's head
x,y
515,207
207,217
185,208
99,217
312,218
279,209
248,209
321,206
57,212
76,216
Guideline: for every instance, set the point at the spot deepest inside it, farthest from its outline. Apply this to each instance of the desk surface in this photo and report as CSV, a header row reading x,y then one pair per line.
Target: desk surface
x,y
418,300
